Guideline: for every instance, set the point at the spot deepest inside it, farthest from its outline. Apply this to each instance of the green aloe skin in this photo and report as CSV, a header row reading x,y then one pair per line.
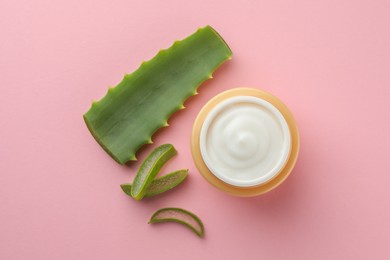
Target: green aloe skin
x,y
180,216
130,113
150,168
160,185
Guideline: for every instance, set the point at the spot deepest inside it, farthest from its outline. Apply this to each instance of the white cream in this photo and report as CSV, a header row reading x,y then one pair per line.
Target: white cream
x,y
245,141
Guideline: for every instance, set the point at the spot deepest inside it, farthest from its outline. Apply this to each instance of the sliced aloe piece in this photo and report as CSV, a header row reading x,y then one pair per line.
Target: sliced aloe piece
x,y
149,169
160,185
166,183
126,187
129,114
181,216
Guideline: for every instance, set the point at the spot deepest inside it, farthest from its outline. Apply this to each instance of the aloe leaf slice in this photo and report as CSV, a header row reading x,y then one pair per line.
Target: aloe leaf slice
x,y
181,216
150,168
130,113
166,183
160,185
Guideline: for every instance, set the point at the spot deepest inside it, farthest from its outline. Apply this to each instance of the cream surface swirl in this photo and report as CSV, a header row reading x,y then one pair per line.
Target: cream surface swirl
x,y
245,141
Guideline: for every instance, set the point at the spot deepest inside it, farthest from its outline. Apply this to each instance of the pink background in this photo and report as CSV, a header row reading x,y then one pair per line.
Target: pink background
x,y
328,61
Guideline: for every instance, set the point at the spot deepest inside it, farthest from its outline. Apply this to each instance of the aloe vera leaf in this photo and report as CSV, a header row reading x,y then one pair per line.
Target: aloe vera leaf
x,y
160,185
130,113
181,216
166,183
150,168
126,187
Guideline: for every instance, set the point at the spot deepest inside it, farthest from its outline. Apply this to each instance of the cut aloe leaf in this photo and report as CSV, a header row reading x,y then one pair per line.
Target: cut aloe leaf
x,y
166,183
126,187
129,114
150,168
181,216
160,185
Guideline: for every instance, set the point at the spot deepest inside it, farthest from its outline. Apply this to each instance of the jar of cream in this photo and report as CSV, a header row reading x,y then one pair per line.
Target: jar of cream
x,y
245,142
